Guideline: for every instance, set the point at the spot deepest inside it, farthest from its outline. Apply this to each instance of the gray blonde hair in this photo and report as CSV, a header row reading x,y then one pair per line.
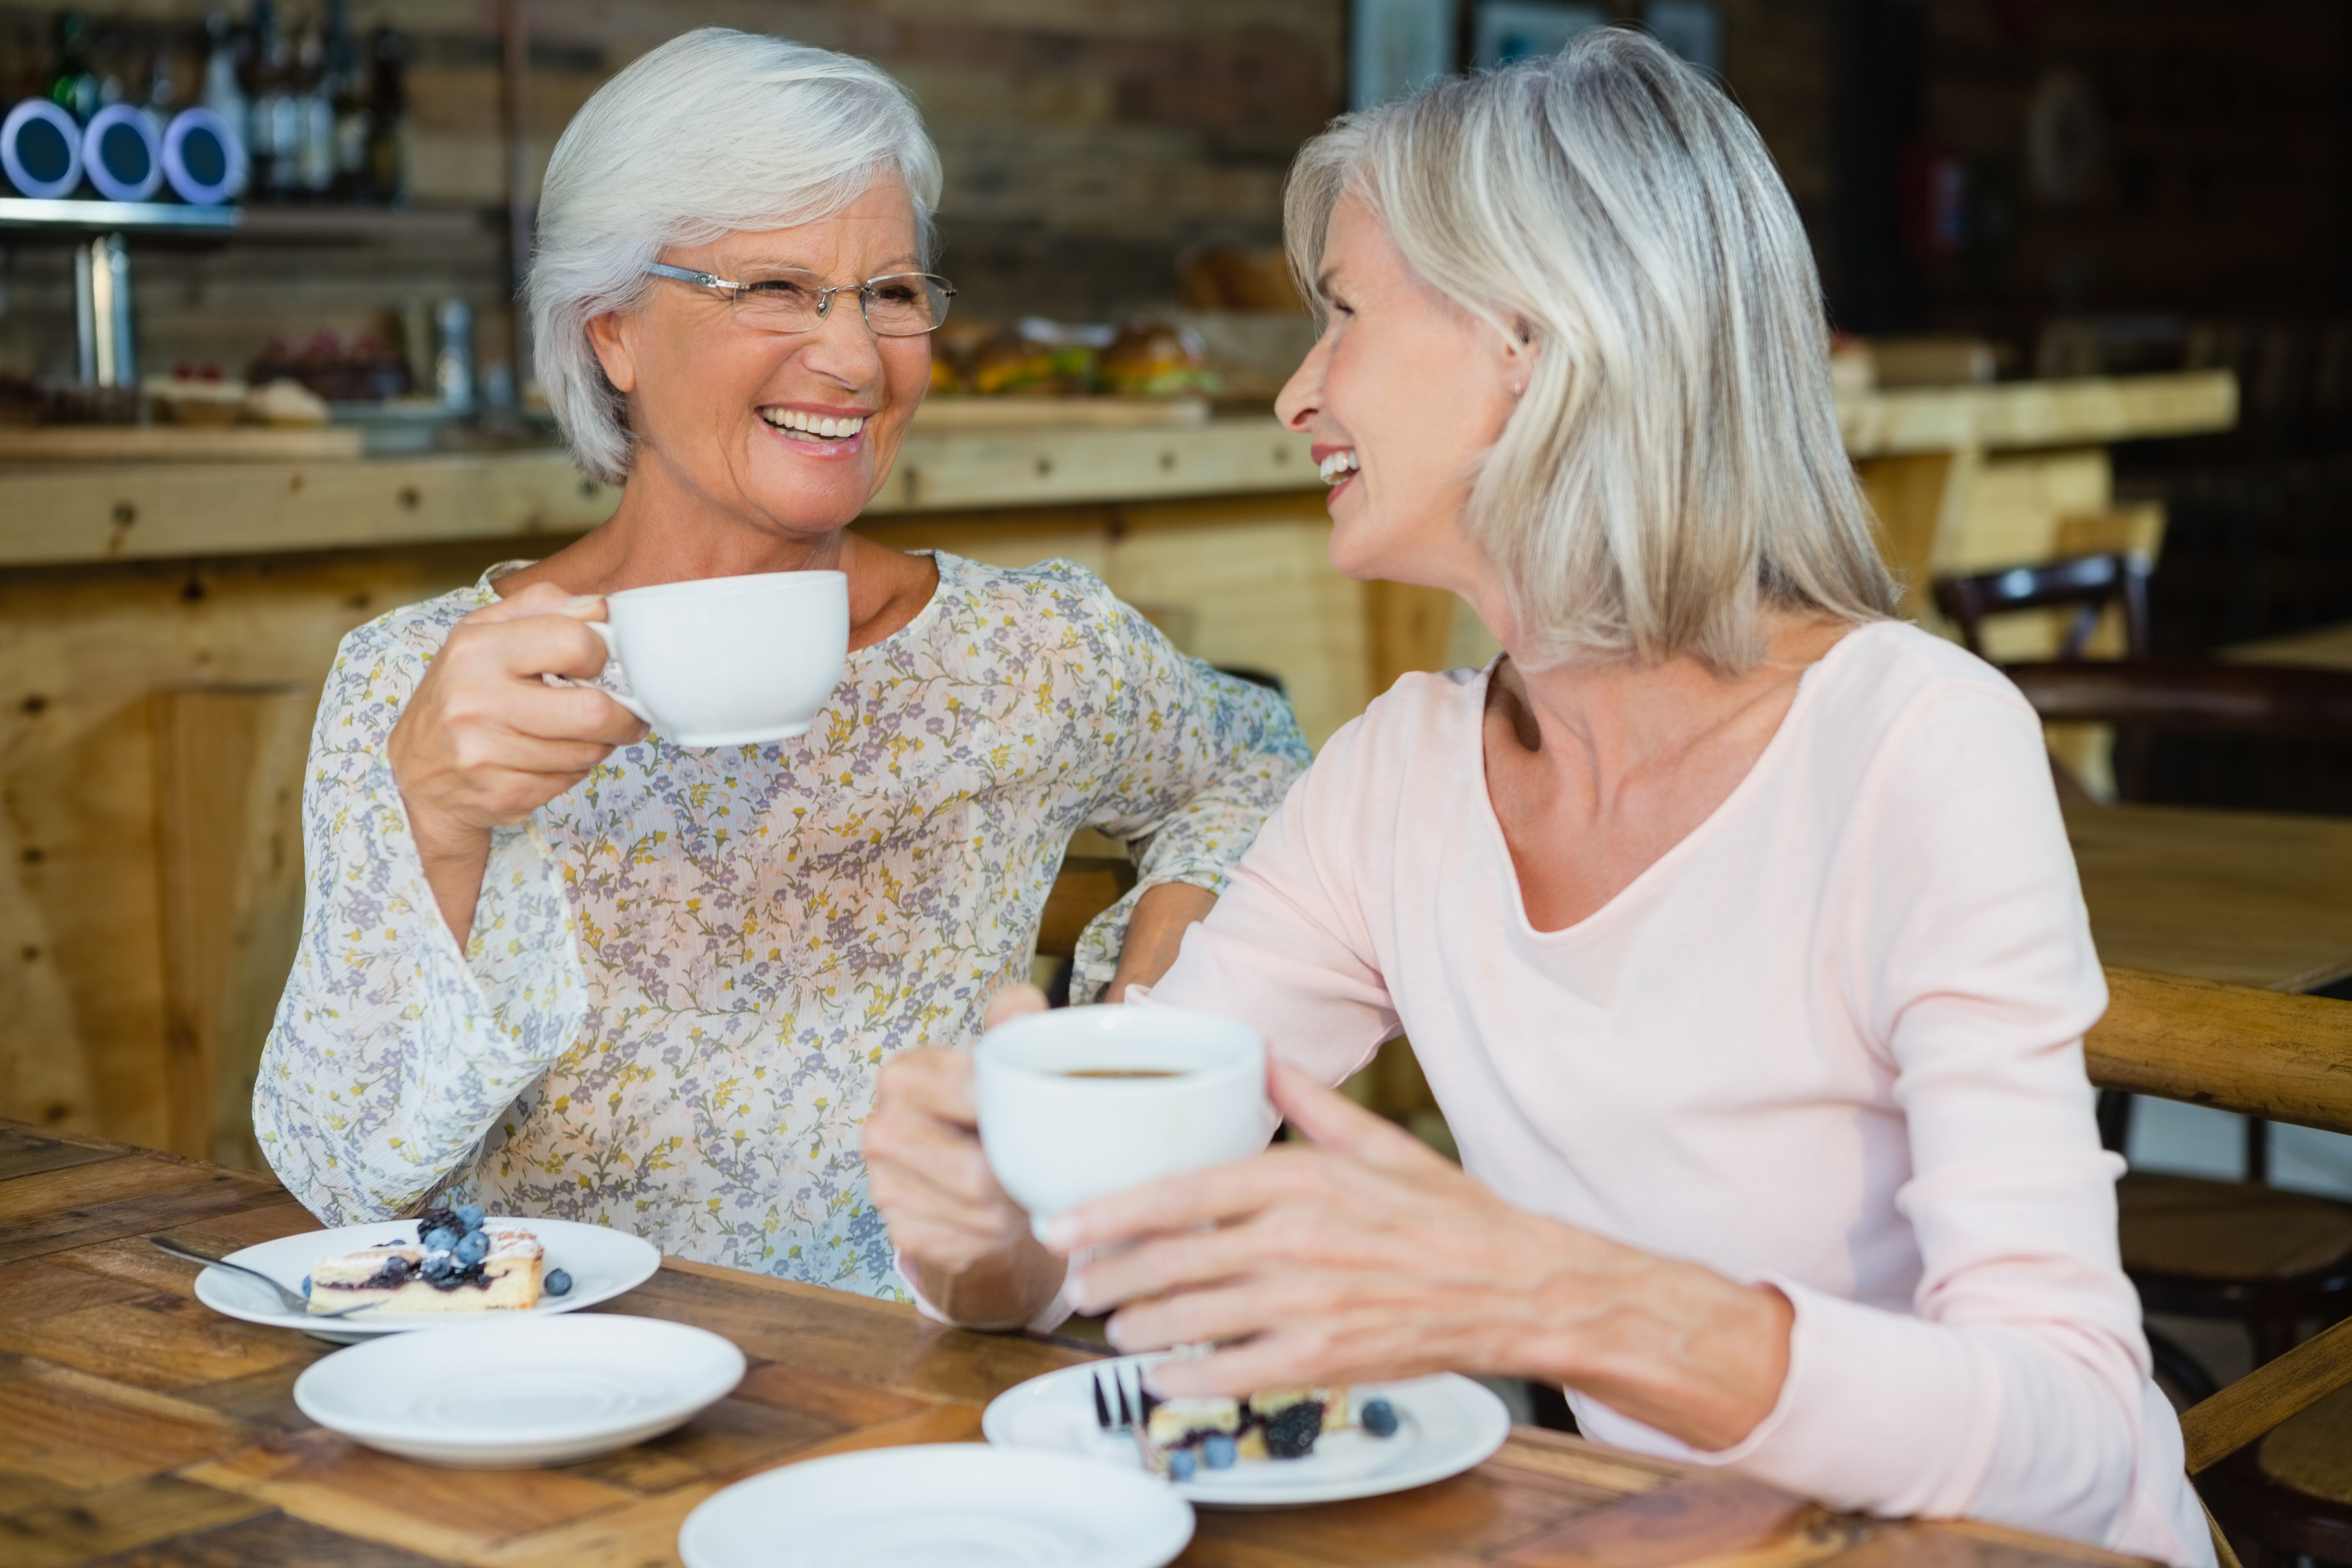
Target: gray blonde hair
x,y
1674,462
715,132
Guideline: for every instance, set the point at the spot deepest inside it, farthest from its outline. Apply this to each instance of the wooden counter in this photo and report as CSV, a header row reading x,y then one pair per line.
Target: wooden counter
x,y
63,513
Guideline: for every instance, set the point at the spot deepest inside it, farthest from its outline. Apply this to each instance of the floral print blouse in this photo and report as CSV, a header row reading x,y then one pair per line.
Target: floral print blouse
x,y
684,971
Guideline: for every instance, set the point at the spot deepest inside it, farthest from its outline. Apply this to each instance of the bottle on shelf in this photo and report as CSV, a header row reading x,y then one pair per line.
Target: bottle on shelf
x,y
347,104
314,119
275,138
73,86
224,91
162,90
388,161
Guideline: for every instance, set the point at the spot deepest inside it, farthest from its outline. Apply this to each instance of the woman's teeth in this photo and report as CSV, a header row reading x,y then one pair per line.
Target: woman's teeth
x,y
1338,467
831,429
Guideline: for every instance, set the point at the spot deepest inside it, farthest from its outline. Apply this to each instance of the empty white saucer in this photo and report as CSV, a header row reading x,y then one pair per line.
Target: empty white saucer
x,y
521,1391
945,1505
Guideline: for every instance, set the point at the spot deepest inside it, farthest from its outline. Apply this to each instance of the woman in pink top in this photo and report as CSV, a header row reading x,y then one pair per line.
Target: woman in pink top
x,y
1731,919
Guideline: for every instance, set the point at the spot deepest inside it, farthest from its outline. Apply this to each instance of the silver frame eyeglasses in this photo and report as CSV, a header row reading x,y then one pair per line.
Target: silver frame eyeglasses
x,y
941,291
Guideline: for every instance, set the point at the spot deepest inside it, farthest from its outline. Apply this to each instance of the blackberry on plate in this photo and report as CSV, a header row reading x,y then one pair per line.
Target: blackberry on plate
x,y
435,1219
1290,1432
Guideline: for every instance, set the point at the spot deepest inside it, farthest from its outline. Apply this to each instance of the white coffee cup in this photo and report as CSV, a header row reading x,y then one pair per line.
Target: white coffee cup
x,y
730,661
1057,1140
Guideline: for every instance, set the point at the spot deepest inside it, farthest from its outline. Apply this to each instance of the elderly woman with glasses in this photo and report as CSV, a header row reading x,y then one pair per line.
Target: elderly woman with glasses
x,y
554,964
1731,918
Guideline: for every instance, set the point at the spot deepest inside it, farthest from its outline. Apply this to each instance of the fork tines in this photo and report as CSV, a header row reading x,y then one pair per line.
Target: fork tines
x,y
1103,1402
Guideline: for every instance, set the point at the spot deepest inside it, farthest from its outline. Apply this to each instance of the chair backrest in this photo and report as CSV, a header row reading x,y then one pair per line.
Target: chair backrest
x,y
2261,1053
1085,885
2290,700
2089,583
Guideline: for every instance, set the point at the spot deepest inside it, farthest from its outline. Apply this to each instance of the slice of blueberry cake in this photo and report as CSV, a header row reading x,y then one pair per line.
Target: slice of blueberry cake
x,y
456,1264
1180,1438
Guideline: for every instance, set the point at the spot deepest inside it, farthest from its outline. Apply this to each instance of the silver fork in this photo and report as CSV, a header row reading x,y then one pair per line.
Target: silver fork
x,y
1130,1416
294,1299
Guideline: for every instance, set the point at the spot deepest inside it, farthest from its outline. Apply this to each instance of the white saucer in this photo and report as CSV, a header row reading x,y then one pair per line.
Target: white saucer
x,y
602,1264
1446,1425
942,1505
517,1391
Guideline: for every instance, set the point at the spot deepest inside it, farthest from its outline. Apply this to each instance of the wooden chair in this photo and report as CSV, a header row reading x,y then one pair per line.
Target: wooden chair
x,y
2235,1250
2273,1451
2088,583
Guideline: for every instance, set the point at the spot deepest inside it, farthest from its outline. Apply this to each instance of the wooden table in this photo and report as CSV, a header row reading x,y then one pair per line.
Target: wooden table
x,y
137,1426
2321,647
2254,898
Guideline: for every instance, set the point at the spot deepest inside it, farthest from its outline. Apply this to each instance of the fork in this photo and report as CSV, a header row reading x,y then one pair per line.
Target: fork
x,y
1126,1421
295,1301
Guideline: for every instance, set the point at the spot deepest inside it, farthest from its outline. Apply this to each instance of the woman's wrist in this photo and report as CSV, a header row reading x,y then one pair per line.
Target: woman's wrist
x,y
1155,932
998,1291
1671,1344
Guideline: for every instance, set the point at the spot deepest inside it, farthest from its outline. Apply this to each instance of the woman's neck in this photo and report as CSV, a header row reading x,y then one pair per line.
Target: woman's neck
x,y
1609,721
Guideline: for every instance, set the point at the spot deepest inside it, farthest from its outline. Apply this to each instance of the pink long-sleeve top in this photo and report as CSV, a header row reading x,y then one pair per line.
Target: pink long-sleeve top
x,y
1831,1040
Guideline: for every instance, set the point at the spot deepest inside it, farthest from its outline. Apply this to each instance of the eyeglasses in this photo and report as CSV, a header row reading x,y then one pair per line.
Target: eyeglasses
x,y
900,305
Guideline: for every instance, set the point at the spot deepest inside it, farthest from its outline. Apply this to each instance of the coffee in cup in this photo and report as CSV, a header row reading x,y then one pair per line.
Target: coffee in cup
x,y
1081,1102
728,661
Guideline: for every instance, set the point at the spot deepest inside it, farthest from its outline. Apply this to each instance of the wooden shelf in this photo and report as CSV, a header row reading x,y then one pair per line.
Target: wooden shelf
x,y
73,216
179,443
266,225
2023,413
58,513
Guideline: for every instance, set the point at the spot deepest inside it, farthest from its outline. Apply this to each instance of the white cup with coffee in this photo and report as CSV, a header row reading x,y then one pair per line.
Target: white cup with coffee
x,y
730,661
1082,1102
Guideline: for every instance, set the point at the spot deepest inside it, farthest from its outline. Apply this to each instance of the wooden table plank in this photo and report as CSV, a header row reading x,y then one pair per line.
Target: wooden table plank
x,y
2251,897
120,1518
24,1151
2320,647
138,1428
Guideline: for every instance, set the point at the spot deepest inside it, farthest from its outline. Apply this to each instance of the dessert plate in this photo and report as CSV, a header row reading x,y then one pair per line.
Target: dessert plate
x,y
1446,1425
516,1391
602,1263
941,1505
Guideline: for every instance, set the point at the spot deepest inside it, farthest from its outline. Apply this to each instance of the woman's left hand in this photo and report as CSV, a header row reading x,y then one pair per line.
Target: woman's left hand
x,y
1368,1257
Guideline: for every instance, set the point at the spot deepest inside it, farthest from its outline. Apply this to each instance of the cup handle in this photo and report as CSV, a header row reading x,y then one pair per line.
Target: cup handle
x,y
611,640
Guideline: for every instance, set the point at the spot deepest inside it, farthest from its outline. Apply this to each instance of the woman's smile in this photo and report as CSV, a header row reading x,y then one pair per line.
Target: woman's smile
x,y
814,430
1338,465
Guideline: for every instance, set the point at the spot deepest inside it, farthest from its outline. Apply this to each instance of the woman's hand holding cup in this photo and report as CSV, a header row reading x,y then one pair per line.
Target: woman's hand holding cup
x,y
485,742
963,1241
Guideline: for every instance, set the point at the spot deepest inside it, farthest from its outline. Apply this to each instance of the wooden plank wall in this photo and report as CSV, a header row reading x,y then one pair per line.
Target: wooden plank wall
x,y
1084,145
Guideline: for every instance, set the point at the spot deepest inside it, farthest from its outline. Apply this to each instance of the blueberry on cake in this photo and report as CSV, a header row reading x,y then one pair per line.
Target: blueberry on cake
x,y
1180,1438
456,1264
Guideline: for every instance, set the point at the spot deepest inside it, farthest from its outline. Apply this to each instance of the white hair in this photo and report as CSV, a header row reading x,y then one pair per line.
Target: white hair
x,y
1674,462
715,132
